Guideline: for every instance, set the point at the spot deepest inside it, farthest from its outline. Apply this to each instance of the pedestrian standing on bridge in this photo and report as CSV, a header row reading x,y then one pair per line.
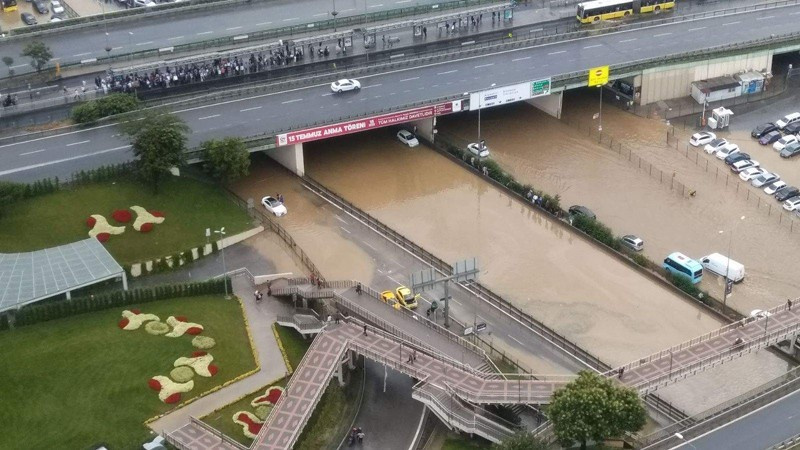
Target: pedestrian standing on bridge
x,y
621,372
365,329
360,436
789,304
358,289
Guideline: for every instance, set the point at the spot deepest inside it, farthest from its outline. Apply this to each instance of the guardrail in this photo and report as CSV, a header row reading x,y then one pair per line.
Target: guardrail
x,y
224,439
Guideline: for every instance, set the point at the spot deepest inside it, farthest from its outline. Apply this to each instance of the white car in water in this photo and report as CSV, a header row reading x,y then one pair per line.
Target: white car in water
x,y
274,206
345,85
702,138
775,187
408,138
784,141
727,150
750,173
478,149
715,145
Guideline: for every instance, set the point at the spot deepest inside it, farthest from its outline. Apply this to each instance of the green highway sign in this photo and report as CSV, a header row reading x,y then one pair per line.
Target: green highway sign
x,y
540,87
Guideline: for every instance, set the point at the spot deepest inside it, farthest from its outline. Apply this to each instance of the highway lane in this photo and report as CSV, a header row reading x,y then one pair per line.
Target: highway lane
x,y
760,429
166,31
242,117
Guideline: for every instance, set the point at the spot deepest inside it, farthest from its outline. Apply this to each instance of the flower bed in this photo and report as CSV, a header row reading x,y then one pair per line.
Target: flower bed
x,y
200,362
203,342
132,320
181,374
270,397
251,424
146,227
122,215
144,217
168,390
156,328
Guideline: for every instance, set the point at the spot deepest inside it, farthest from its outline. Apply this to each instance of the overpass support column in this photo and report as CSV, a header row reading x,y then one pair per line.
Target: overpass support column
x,y
424,128
339,374
351,359
290,156
551,104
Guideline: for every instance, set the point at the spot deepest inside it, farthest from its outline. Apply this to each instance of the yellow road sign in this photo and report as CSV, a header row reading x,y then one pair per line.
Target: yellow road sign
x,y
598,76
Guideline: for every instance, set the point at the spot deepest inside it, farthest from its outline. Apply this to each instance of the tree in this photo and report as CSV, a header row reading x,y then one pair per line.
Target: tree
x,y
39,53
226,159
523,440
8,61
158,141
594,408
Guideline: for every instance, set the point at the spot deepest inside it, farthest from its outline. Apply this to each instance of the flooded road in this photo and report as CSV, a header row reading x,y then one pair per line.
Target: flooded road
x,y
593,299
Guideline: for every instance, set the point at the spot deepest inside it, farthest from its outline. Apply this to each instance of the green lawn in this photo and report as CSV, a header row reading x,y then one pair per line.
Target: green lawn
x,y
222,419
464,442
59,218
76,381
294,344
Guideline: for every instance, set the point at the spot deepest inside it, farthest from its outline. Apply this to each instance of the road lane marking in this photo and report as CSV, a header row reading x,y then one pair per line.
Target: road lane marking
x,y
593,46
516,340
250,109
483,65
456,302
627,40
291,18
409,79
372,86
209,117
521,59
731,23
292,101
392,278
35,151
78,143
440,73
233,28
340,219
376,6
59,161
115,48
144,43
175,38
204,32
661,34
403,1
556,53
368,245
345,229
320,14
765,18
328,94
82,54
697,29
262,24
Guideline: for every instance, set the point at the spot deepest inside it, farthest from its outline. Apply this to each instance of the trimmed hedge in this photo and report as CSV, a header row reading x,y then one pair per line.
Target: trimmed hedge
x,y
65,308
597,230
13,192
110,105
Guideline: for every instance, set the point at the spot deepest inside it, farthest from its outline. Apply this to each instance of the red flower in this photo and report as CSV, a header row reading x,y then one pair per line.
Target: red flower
x,y
251,426
123,323
273,394
194,330
198,354
122,215
102,237
90,222
136,311
154,384
156,213
174,398
212,369
146,227
181,319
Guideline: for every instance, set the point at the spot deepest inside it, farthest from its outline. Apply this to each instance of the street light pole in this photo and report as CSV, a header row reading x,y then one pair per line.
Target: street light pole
x,y
221,232
334,13
600,114
728,268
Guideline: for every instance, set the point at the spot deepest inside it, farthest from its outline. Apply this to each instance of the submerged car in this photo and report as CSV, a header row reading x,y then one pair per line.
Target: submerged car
x,y
715,145
478,149
274,206
765,179
775,187
408,138
763,129
702,138
769,138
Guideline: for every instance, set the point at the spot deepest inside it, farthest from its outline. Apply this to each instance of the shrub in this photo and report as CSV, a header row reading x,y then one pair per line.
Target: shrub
x,y
685,285
86,112
146,227
596,230
103,237
122,215
110,105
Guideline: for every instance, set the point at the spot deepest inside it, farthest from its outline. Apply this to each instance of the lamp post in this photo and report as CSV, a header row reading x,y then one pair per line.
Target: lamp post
x,y
221,232
130,47
600,113
728,267
480,105
334,13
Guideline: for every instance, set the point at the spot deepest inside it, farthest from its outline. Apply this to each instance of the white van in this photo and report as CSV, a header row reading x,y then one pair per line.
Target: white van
x,y
790,118
721,264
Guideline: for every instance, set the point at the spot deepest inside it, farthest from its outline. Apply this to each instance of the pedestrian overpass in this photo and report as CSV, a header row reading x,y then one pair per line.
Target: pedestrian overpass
x,y
450,386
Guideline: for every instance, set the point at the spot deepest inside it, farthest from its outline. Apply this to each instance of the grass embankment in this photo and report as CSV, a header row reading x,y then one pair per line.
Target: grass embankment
x,y
464,442
60,218
73,382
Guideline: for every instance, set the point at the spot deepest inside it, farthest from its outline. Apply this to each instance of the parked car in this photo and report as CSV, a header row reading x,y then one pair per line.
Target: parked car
x,y
736,157
55,19
763,129
792,204
274,206
40,7
56,6
759,314
781,143
28,18
787,193
792,128
788,119
723,266
715,145
742,165
769,138
790,150
478,149
727,150
578,210
702,138
775,187
408,138
632,242
751,173
765,179
345,85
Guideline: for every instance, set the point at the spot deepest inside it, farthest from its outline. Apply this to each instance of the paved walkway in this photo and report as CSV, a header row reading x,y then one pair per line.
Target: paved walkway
x,y
260,318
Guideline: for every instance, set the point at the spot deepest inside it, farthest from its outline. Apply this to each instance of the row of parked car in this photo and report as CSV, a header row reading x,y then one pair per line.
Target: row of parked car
x,y
749,169
782,134
40,6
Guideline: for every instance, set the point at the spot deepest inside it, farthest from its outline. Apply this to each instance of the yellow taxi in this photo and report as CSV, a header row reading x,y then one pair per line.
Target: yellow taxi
x,y
389,298
407,298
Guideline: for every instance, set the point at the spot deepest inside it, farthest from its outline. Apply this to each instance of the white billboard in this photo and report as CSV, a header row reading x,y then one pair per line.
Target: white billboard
x,y
500,96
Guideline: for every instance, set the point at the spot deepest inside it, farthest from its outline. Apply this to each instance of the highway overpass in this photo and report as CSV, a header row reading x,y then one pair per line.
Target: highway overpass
x,y
305,106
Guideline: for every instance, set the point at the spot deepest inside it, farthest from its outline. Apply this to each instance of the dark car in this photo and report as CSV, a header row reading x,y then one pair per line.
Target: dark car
x,y
578,210
790,150
40,7
792,128
770,137
736,157
763,129
787,193
28,18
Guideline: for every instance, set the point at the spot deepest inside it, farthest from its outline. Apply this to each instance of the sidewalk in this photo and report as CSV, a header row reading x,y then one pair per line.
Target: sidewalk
x,y
260,318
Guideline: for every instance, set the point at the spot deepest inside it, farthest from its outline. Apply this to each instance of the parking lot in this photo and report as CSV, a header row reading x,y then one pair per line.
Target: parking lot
x,y
12,20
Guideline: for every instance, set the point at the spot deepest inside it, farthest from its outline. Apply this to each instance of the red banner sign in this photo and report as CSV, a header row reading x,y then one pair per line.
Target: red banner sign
x,y
355,126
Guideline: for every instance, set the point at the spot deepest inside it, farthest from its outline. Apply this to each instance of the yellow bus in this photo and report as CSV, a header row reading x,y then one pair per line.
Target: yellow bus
x,y
597,10
9,5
